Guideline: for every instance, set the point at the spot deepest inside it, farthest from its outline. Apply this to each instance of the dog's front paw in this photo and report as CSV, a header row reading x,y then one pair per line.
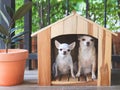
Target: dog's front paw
x,y
78,74
56,75
73,76
93,76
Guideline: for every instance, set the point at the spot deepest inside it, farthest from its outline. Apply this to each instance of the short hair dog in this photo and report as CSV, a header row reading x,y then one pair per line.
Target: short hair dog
x,y
63,63
86,56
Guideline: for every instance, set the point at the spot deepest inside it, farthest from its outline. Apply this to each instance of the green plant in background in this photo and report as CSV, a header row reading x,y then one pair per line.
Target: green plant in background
x,y
58,8
96,11
6,33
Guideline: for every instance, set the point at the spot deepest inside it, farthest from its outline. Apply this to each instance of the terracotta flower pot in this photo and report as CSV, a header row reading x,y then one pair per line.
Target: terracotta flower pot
x,y
12,66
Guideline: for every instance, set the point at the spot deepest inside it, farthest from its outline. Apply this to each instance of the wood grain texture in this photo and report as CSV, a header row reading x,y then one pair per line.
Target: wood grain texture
x,y
70,25
44,58
104,58
57,29
95,31
72,83
90,29
74,24
82,26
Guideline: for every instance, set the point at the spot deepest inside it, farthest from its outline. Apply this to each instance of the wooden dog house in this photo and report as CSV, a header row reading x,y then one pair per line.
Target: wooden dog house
x,y
74,24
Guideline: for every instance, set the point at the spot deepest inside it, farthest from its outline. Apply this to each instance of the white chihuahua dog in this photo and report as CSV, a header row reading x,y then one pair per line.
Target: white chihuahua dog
x,y
63,63
86,56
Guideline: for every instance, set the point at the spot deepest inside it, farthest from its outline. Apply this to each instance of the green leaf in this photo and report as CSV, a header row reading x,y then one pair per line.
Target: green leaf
x,y
3,30
9,10
22,11
13,30
4,17
1,36
17,40
19,35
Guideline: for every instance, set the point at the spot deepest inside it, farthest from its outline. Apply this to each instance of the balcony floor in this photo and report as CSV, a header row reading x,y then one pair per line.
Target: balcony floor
x,y
30,83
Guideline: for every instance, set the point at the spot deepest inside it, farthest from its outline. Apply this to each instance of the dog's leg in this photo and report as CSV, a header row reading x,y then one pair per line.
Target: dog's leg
x,y
56,70
79,69
93,70
72,73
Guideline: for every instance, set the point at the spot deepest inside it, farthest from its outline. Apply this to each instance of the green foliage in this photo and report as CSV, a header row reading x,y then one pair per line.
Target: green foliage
x,y
6,34
58,11
19,23
22,11
96,11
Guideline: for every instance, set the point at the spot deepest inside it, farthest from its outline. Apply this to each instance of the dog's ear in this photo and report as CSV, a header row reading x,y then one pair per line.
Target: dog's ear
x,y
57,44
79,37
72,45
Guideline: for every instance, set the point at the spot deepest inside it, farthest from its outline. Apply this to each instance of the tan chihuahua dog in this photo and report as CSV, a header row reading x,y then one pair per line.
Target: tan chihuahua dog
x,y
86,56
63,63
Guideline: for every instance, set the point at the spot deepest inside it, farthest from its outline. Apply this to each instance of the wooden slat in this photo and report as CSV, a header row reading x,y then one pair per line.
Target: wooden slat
x,y
74,83
71,79
95,31
104,58
70,25
108,48
100,55
49,26
82,26
44,58
64,78
68,80
90,21
90,29
57,29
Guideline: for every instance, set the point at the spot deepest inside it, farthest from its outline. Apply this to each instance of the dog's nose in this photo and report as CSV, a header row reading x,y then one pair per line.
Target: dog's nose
x,y
64,52
88,43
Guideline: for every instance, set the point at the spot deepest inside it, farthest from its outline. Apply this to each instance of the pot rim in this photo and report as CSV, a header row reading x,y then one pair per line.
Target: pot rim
x,y
11,51
13,55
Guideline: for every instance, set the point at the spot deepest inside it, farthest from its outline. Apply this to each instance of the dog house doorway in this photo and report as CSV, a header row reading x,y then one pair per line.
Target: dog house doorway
x,y
67,79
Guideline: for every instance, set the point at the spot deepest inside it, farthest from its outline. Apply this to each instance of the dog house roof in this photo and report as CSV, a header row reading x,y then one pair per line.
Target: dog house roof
x,y
74,24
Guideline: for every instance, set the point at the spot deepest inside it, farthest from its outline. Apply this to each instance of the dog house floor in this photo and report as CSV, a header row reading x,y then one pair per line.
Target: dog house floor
x,y
82,81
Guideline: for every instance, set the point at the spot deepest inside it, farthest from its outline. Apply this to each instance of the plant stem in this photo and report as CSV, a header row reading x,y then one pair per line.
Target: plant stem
x,y
6,46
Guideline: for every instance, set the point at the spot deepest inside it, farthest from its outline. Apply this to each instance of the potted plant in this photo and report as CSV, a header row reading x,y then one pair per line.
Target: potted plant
x,y
12,61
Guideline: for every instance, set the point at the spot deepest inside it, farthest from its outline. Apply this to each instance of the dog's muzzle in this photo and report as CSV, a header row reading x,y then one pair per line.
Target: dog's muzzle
x,y
64,53
88,43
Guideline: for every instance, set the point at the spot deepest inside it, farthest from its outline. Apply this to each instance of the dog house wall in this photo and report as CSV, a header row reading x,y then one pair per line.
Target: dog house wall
x,y
74,24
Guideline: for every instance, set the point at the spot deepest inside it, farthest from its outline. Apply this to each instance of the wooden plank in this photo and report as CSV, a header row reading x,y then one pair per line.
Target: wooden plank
x,y
90,29
79,25
82,26
104,58
95,31
64,78
108,48
71,79
57,29
49,26
100,55
70,25
74,83
44,58
90,21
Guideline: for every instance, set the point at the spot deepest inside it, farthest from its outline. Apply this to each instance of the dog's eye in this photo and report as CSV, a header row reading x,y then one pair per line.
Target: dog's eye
x,y
92,40
68,50
83,39
60,49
